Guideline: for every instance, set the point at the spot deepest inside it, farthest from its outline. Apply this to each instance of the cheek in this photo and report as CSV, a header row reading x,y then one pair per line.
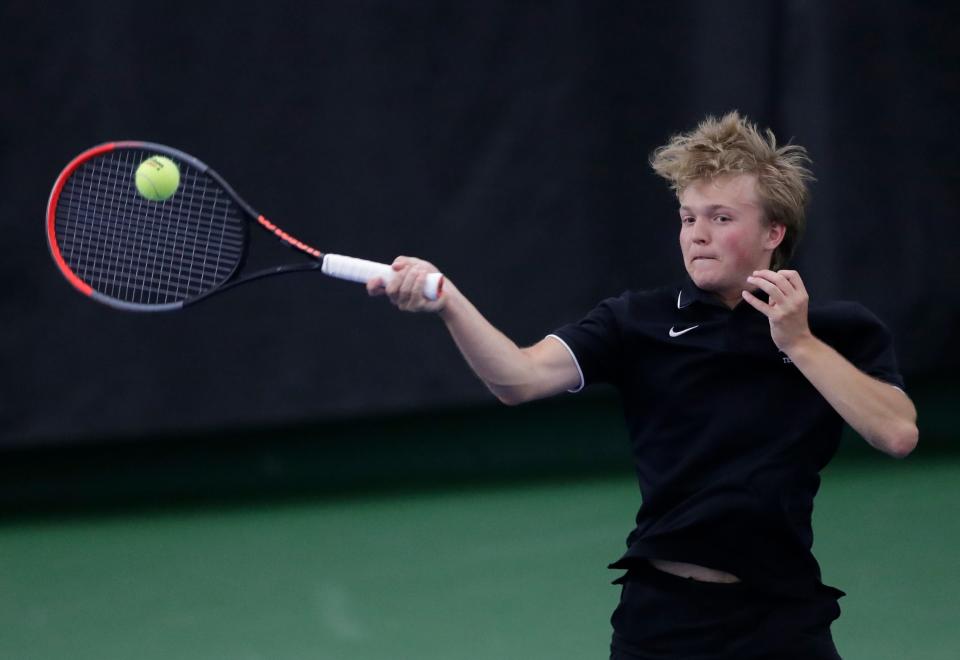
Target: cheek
x,y
736,245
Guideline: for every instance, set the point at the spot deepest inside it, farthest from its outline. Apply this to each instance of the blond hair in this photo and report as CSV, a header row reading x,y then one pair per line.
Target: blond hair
x,y
733,145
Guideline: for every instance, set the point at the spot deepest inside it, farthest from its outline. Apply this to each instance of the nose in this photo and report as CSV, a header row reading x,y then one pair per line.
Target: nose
x,y
700,231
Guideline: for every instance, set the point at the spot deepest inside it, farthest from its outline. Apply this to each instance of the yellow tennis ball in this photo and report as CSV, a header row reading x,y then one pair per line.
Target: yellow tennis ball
x,y
158,178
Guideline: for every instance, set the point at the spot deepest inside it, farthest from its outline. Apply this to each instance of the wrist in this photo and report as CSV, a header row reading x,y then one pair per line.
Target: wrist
x,y
452,302
803,347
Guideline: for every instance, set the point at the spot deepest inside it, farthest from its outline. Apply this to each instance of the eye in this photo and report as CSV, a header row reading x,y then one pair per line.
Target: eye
x,y
723,218
687,219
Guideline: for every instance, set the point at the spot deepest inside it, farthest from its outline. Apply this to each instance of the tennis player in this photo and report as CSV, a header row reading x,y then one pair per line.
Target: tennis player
x,y
734,389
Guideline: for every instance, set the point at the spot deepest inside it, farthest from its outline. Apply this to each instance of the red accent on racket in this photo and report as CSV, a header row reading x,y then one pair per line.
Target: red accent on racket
x,y
135,253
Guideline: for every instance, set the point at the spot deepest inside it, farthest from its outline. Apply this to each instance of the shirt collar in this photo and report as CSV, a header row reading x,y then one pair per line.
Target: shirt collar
x,y
689,293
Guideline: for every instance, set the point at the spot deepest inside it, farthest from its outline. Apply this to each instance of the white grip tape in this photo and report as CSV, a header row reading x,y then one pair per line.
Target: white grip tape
x,y
361,270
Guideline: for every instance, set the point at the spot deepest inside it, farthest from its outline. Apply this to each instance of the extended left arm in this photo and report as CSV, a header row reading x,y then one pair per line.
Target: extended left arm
x,y
878,411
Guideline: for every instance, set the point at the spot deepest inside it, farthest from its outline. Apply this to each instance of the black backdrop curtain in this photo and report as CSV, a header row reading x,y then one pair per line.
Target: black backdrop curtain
x,y
506,142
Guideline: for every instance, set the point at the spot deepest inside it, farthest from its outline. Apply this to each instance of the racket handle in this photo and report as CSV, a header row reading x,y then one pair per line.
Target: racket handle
x,y
361,270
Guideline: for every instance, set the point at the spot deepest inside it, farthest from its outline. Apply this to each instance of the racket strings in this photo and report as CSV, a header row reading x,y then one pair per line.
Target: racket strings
x,y
139,251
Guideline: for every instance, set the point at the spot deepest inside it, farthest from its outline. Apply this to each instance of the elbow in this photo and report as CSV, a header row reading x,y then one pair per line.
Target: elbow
x,y
901,443
510,397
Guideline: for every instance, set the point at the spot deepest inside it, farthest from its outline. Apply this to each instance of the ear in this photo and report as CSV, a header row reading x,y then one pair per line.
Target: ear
x,y
775,233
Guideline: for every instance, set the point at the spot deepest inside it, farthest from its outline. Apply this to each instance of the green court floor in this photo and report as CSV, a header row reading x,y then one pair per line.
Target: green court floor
x,y
482,571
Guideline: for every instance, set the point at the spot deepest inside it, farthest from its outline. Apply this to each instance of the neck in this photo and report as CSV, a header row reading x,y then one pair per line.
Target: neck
x,y
731,301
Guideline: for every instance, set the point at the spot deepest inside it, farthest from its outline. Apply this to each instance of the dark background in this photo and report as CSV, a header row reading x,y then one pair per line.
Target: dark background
x,y
506,142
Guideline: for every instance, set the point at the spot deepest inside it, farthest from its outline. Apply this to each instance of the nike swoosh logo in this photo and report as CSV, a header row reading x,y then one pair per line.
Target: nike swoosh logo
x,y
677,333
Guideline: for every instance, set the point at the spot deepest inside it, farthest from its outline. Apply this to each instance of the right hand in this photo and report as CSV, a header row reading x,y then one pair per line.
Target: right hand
x,y
405,290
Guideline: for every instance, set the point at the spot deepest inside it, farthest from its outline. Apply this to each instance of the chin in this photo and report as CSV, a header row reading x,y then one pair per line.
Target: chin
x,y
710,282
706,281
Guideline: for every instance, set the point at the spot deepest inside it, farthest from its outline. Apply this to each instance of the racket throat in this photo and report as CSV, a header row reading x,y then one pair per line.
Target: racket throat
x,y
288,239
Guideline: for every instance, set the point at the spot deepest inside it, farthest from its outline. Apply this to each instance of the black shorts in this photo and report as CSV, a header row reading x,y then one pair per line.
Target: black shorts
x,y
663,616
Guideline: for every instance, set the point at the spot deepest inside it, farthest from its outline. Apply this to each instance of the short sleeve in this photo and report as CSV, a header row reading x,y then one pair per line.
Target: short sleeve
x,y
868,344
595,343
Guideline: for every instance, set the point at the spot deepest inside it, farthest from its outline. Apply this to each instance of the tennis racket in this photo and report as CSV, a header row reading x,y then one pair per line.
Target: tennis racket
x,y
126,250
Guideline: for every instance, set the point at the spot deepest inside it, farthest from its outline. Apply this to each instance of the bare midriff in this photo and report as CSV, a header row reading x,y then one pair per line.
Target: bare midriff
x,y
694,571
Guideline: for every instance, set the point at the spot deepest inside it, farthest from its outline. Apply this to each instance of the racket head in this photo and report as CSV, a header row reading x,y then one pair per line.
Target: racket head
x,y
132,253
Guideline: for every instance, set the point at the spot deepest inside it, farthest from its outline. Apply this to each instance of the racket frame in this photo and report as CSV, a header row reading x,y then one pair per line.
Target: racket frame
x,y
337,266
228,283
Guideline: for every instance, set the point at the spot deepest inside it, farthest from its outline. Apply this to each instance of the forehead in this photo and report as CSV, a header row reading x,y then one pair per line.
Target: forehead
x,y
737,192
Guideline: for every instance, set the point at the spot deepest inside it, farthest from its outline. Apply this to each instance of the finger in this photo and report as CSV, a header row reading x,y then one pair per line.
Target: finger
x,y
776,295
419,285
400,262
758,304
405,291
393,285
794,278
375,287
777,278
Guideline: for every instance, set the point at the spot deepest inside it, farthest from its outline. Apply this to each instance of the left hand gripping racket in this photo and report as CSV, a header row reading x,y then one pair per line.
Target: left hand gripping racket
x,y
131,252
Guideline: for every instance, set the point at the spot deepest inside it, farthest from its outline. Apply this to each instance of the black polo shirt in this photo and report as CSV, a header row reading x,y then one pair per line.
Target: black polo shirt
x,y
728,436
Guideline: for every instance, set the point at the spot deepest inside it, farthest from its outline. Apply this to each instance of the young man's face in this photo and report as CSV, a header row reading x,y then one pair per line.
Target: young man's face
x,y
723,236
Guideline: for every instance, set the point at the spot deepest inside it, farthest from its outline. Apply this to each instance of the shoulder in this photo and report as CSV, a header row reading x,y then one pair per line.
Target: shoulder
x,y
844,312
860,336
618,313
845,318
643,301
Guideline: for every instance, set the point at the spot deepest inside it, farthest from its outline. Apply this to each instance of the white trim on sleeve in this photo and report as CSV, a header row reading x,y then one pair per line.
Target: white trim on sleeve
x,y
575,362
